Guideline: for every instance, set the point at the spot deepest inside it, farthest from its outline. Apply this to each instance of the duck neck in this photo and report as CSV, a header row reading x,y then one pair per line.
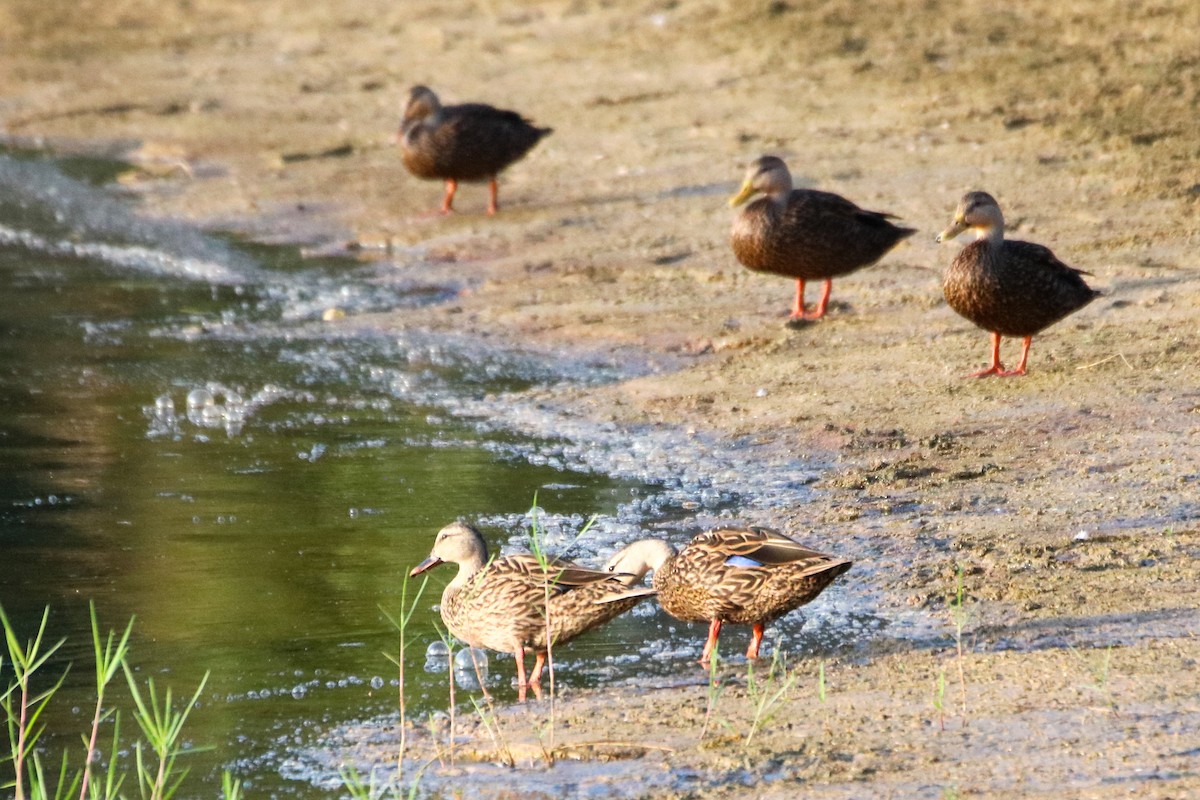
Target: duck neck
x,y
993,234
781,191
657,555
992,230
466,570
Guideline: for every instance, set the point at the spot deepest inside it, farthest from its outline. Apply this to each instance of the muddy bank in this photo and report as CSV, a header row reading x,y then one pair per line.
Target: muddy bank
x,y
1068,498
1048,722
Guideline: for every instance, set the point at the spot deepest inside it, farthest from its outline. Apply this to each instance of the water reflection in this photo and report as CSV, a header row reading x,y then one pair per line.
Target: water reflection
x,y
178,445
183,441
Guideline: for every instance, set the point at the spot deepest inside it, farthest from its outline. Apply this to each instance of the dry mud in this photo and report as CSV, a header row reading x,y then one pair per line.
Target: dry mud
x,y
1068,498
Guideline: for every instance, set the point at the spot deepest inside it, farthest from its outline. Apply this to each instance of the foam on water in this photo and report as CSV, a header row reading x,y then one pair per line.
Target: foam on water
x,y
473,391
134,257
60,216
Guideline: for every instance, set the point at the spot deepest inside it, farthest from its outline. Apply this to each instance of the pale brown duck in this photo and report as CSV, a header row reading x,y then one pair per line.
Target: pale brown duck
x,y
468,142
1007,287
502,604
748,576
804,233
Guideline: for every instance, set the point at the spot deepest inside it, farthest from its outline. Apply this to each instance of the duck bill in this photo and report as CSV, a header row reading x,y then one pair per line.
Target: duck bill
x,y
425,566
956,227
742,196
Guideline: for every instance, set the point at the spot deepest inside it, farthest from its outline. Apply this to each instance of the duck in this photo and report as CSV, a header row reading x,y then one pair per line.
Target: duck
x,y
739,575
1005,286
805,234
504,604
467,142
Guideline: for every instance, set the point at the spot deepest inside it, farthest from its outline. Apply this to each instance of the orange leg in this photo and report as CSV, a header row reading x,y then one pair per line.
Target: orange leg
x,y
1020,370
714,630
493,197
755,641
823,302
996,367
538,664
798,306
448,201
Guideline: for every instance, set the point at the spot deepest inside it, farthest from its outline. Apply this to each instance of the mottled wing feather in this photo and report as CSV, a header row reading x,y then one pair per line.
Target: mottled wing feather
x,y
627,593
563,575
759,544
504,606
469,142
699,584
1015,289
500,608
818,235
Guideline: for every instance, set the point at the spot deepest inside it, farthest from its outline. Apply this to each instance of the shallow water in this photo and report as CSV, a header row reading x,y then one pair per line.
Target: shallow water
x,y
187,444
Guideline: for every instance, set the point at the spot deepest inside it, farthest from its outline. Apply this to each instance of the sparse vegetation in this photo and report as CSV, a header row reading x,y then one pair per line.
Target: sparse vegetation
x,y
715,688
939,698
767,697
1099,666
400,623
161,723
960,616
452,706
537,545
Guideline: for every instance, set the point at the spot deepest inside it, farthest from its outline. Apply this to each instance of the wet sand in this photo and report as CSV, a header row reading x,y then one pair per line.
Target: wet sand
x,y
1069,498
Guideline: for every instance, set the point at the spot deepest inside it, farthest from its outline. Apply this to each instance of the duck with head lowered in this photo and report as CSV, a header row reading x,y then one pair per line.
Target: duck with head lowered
x,y
747,576
516,603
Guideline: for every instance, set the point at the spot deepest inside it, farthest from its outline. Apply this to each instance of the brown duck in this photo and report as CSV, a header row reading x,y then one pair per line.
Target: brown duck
x,y
502,604
468,142
1007,287
805,234
748,576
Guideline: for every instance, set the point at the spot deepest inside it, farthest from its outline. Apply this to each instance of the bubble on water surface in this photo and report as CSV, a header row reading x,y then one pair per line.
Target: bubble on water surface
x,y
199,399
212,406
211,416
467,659
437,657
163,421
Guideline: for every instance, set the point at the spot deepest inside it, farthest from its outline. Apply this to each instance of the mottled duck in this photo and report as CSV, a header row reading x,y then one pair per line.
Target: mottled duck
x,y
1007,287
468,142
507,603
748,576
804,233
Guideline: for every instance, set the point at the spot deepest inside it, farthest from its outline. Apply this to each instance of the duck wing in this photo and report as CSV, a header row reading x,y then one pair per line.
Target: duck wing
x,y
761,546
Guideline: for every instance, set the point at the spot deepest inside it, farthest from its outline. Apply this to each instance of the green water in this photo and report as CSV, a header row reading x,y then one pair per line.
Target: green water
x,y
258,551
185,443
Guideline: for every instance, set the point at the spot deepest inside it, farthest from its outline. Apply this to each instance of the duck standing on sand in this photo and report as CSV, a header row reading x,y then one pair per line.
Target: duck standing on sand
x,y
468,142
1007,287
804,233
748,576
506,604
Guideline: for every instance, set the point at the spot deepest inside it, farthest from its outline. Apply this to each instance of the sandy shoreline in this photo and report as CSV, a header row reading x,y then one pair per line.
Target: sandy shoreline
x,y
1068,498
